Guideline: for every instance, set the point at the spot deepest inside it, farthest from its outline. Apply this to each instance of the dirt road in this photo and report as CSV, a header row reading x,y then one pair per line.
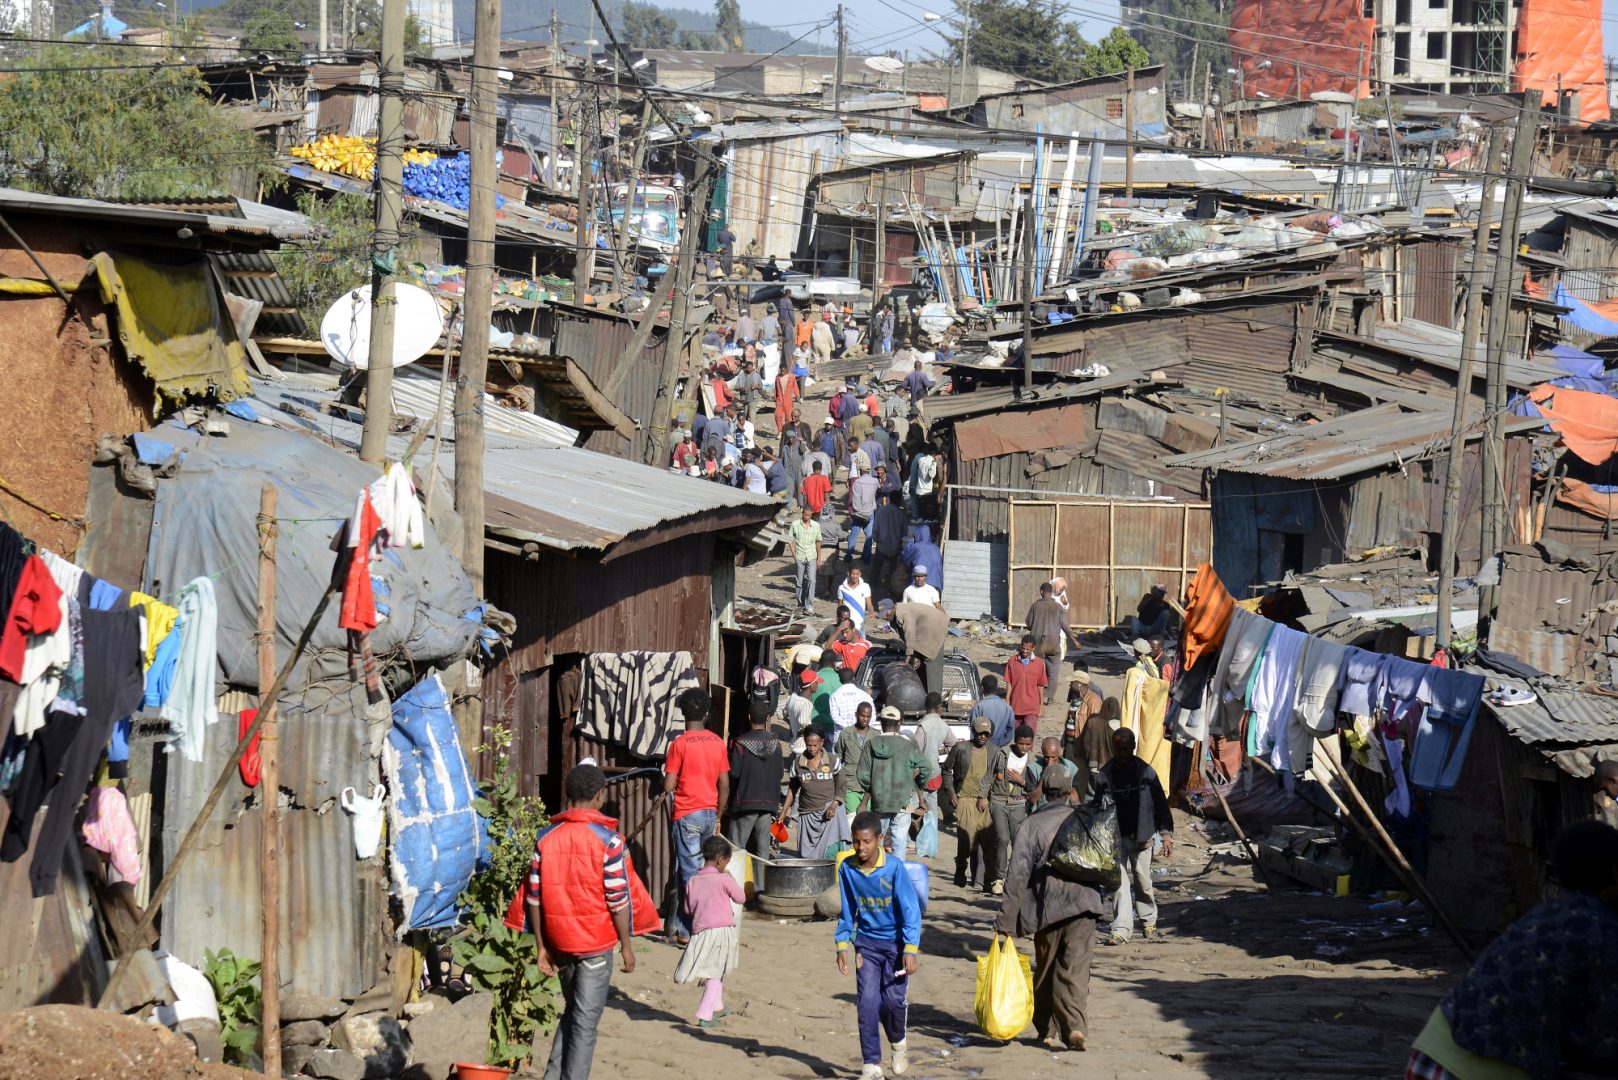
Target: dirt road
x,y
1247,985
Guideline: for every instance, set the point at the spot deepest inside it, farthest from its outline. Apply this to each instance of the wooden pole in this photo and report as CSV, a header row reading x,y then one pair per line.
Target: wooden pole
x,y
1030,225
269,791
194,834
879,279
1400,864
626,244
1230,816
1450,533
1129,133
584,259
674,347
386,236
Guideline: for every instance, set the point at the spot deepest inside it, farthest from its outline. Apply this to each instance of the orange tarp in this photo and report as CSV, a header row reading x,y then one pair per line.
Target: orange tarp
x,y
1559,47
1587,422
1312,44
1581,496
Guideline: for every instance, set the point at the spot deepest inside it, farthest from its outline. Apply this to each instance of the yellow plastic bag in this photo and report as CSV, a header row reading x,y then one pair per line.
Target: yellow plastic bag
x,y
1004,999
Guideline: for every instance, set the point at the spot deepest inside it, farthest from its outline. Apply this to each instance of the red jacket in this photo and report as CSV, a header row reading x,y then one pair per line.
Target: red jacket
x,y
572,895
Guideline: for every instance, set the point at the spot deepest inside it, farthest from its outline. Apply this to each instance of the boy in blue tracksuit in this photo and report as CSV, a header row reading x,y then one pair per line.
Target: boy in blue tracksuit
x,y
881,923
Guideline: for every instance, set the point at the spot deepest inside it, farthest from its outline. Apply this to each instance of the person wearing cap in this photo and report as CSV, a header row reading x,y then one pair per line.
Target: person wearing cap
x,y
1060,915
1086,739
858,423
1146,657
919,591
1047,621
964,769
798,709
1606,797
891,772
1151,618
747,387
831,444
686,453
746,328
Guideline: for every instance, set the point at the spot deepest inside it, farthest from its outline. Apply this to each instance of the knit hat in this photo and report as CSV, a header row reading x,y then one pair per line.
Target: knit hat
x,y
1057,782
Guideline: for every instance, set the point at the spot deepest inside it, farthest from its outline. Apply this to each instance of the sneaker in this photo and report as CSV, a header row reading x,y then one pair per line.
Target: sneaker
x,y
1115,939
872,1072
901,1057
998,888
1151,933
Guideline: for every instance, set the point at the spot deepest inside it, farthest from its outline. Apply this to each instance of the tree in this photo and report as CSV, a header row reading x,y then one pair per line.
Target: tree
x,y
87,124
319,270
271,32
646,27
698,41
1024,37
728,25
1112,55
1171,30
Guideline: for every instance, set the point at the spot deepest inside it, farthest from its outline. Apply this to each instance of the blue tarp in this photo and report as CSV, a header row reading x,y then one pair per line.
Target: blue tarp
x,y
1582,315
437,839
1585,371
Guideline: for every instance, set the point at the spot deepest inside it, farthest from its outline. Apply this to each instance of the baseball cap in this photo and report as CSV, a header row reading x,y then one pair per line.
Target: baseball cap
x,y
828,421
918,571
890,713
809,678
983,724
1141,646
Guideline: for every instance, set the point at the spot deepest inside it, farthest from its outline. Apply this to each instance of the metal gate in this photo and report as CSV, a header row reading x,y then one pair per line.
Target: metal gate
x,y
1110,551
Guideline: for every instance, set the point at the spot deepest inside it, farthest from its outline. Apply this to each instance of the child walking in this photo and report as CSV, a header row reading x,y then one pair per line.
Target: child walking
x,y
713,951
881,924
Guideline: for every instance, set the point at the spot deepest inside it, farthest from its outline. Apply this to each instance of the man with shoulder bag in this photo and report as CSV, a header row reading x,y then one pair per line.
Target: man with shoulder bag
x,y
1060,913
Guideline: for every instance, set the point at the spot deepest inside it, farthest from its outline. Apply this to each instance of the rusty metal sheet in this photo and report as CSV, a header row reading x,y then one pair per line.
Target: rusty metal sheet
x,y
1088,599
1427,280
1148,536
1033,536
596,342
1081,539
1037,429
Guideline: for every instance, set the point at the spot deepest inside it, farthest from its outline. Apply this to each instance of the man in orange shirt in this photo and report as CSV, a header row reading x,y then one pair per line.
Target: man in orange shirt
x,y
816,489
697,775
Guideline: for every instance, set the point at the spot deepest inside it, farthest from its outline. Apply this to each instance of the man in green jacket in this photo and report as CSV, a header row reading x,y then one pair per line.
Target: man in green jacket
x,y
892,770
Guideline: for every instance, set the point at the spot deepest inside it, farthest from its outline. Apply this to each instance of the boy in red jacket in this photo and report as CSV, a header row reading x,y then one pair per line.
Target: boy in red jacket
x,y
579,906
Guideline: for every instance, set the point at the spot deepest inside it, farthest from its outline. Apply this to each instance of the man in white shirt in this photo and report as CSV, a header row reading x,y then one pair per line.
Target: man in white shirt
x,y
798,709
919,592
846,700
855,591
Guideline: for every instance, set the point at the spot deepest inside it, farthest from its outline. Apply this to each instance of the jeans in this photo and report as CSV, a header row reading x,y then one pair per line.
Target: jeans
x,y
1007,818
880,988
896,832
689,833
1155,628
750,830
803,590
1137,886
585,981
856,527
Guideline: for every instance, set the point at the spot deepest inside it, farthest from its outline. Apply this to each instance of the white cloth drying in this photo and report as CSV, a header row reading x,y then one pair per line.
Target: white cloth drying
x,y
393,497
191,706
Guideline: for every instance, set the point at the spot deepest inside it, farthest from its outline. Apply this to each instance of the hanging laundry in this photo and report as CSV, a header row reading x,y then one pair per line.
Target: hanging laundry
x,y
45,657
251,764
1314,703
65,574
160,674
13,555
1271,695
1208,609
1362,682
359,603
1451,700
109,829
394,498
104,596
1398,800
1226,697
1145,704
36,610
629,697
160,619
191,707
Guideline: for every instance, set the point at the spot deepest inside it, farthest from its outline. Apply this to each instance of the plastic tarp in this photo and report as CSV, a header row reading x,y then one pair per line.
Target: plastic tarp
x,y
1593,318
1010,433
1587,423
205,524
437,838
1559,47
1585,371
1320,42
173,323
1599,501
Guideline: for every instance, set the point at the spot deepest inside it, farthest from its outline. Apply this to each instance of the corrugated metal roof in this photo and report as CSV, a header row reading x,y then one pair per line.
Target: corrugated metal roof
x,y
1359,442
1003,398
264,222
541,487
1559,717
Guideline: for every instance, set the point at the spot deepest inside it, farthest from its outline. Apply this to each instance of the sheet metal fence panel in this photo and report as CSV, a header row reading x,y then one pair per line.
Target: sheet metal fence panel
x,y
975,579
1110,552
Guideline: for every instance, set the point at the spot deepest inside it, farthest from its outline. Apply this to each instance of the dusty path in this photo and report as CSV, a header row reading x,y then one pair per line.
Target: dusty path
x,y
1248,985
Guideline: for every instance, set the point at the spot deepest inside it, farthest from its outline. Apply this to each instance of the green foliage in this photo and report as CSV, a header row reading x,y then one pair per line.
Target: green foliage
x,y
497,958
648,27
1172,30
241,1004
336,259
142,132
1112,55
1025,37
271,32
728,26
698,41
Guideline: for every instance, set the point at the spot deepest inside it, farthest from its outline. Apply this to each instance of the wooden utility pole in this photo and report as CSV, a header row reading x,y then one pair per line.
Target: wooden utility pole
x,y
1207,102
1190,89
1449,537
1129,133
269,791
584,155
674,348
1505,265
555,113
626,242
842,57
479,306
323,40
1029,232
385,237
878,279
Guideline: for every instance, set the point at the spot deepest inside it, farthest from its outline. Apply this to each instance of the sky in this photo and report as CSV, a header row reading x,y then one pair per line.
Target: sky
x,y
879,25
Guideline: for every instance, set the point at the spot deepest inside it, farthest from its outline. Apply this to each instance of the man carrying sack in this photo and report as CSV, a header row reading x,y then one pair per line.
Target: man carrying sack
x,y
1060,914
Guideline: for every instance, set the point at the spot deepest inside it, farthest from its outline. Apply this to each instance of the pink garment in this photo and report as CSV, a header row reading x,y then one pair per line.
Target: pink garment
x,y
708,897
109,829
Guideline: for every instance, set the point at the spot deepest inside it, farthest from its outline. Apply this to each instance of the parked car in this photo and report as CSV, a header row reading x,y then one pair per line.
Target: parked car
x,y
960,687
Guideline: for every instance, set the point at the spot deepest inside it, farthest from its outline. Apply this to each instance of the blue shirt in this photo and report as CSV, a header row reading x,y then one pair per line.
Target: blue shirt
x,y
998,710
880,903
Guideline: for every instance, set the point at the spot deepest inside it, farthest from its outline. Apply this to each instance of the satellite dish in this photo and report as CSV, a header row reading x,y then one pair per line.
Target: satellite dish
x,y
417,325
887,65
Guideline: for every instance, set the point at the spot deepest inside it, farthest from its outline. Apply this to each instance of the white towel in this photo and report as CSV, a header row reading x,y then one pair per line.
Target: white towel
x,y
394,499
192,706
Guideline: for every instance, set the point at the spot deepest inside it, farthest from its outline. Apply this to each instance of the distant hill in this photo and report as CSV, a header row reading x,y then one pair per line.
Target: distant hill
x,y
532,19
